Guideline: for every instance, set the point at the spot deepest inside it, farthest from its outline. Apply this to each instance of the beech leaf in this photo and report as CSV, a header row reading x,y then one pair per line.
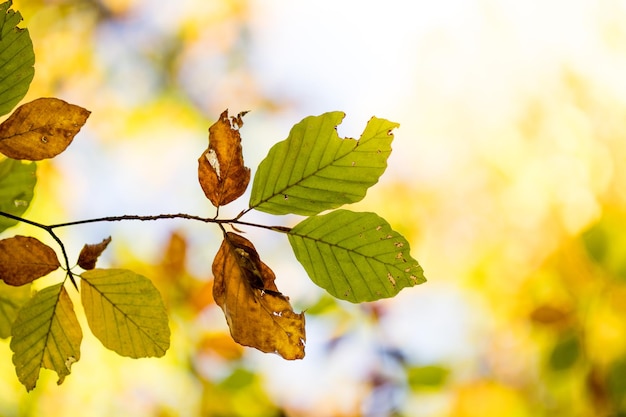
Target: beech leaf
x,y
125,312
355,256
23,259
16,59
17,182
46,334
89,254
11,300
314,170
257,314
221,171
41,129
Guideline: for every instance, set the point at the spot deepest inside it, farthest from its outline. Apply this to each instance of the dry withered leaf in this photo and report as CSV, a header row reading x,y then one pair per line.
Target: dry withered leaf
x,y
23,259
89,254
221,171
257,313
41,129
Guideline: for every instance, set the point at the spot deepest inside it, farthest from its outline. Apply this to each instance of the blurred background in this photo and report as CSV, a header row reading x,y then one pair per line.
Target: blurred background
x,y
507,177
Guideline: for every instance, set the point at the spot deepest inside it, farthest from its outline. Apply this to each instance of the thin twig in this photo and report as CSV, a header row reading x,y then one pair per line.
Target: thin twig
x,y
126,217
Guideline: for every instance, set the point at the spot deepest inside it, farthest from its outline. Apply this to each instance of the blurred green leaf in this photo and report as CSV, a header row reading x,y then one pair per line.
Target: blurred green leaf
x,y
238,379
565,352
616,383
596,242
16,59
324,304
314,170
11,300
605,243
17,182
355,256
125,312
430,376
46,334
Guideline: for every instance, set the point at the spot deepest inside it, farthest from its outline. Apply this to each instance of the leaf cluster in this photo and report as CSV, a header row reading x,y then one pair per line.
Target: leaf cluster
x,y
355,256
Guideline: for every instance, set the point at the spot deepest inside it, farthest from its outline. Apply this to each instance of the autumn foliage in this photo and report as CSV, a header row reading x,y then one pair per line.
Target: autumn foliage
x,y
354,256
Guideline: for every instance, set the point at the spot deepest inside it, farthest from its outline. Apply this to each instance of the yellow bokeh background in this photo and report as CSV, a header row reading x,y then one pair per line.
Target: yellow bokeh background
x,y
507,177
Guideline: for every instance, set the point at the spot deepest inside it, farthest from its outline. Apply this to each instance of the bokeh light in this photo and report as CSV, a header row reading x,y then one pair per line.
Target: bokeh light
x,y
507,178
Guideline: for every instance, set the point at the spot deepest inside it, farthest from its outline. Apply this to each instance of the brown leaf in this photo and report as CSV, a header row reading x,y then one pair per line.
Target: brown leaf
x,y
23,259
41,129
549,315
174,257
221,172
257,314
89,254
220,344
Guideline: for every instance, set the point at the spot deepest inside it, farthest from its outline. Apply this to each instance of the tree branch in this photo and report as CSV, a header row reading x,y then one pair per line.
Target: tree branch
x,y
127,217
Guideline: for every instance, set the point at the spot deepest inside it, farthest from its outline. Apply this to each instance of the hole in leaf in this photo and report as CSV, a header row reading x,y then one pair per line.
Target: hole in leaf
x,y
211,156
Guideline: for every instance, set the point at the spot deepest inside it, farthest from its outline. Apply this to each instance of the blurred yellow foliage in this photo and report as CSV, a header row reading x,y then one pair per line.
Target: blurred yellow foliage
x,y
507,178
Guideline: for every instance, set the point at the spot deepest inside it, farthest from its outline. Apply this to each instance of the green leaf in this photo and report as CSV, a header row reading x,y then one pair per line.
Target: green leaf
x,y
565,353
125,312
16,59
429,376
17,182
46,334
616,382
355,256
11,300
314,170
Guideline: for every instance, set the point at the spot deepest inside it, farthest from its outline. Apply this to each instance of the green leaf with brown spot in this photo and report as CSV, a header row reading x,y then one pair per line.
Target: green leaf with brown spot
x,y
355,256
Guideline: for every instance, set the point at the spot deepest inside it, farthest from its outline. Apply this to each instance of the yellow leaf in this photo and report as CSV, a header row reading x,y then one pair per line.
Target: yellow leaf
x,y
46,334
41,129
89,254
221,172
23,259
257,314
125,312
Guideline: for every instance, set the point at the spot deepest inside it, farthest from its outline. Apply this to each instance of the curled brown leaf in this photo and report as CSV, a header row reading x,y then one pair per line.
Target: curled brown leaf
x,y
258,315
89,254
221,171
